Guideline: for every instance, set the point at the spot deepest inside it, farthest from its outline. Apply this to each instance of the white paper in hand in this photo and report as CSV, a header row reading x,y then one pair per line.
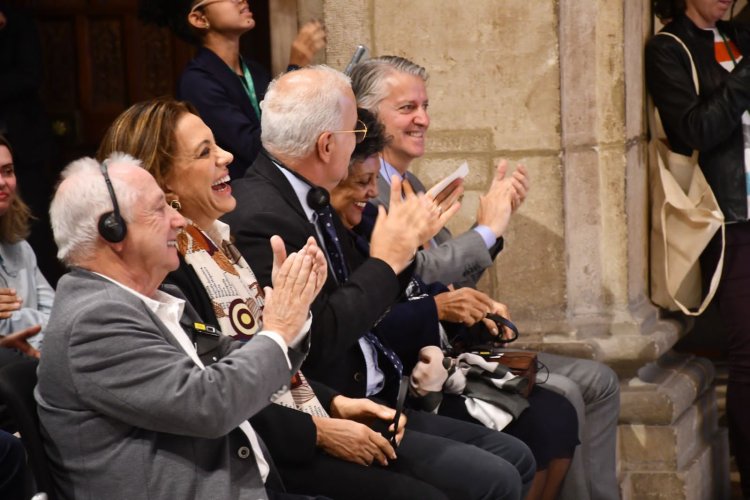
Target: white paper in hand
x,y
461,172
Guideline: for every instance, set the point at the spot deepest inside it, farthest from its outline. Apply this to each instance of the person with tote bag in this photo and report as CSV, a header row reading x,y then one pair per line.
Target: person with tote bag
x,y
700,84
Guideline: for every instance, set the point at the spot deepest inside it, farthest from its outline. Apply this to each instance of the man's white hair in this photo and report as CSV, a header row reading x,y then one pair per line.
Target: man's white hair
x,y
80,200
296,112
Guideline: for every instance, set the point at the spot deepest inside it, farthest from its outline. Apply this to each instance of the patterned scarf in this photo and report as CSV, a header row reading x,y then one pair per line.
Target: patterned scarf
x,y
237,298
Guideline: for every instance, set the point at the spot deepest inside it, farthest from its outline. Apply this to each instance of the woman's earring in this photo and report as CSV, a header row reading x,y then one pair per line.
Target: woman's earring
x,y
176,205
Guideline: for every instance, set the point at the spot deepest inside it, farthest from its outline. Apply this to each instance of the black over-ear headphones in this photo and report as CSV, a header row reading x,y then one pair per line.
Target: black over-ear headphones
x,y
317,198
111,224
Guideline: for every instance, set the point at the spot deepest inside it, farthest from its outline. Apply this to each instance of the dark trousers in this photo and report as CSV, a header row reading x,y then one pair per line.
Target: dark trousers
x,y
8,356
733,303
12,467
438,458
549,426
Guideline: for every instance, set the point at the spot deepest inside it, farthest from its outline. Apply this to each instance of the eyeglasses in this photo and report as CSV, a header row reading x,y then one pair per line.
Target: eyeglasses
x,y
359,134
204,3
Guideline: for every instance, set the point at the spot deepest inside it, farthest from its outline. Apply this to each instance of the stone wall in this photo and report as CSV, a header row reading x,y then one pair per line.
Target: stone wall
x,y
558,86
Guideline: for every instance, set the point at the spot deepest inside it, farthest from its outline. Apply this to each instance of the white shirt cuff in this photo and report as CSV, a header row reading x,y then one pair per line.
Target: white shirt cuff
x,y
487,235
276,337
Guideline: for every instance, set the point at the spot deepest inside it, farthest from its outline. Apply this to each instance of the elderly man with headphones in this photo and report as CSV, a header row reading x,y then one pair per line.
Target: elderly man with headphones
x,y
137,398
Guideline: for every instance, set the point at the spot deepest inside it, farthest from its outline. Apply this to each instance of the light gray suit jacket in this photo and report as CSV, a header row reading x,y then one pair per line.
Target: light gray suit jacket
x,y
126,413
460,260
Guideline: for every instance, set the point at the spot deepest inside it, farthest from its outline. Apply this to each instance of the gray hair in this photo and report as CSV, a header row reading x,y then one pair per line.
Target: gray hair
x,y
369,79
80,200
299,106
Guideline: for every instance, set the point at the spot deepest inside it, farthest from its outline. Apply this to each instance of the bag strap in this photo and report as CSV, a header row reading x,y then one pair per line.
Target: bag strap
x,y
501,322
400,400
713,286
654,119
690,57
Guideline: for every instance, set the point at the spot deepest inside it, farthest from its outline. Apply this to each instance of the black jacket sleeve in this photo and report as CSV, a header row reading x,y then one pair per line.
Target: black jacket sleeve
x,y
692,121
341,313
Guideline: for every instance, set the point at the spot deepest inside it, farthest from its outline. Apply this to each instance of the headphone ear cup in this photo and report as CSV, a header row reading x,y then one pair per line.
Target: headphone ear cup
x,y
318,198
112,227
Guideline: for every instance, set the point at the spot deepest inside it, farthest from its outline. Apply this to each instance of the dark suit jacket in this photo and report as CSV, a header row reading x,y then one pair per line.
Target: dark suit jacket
x,y
216,91
290,435
268,205
411,323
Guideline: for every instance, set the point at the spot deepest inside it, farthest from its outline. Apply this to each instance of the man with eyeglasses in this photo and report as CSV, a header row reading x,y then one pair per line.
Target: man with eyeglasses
x,y
310,129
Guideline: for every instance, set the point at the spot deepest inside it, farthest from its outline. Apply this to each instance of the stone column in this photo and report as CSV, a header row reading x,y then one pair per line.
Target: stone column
x,y
558,86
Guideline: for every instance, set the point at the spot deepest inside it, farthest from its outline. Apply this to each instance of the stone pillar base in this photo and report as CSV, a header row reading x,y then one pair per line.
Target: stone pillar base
x,y
671,446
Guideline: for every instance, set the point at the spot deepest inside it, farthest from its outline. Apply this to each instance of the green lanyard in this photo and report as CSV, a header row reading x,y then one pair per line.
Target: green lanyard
x,y
729,49
249,87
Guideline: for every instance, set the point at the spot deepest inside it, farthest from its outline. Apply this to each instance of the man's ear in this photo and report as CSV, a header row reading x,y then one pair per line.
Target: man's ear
x,y
324,146
116,247
197,20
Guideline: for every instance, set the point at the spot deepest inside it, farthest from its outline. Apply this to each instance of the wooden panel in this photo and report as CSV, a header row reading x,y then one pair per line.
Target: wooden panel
x,y
107,64
99,58
57,5
60,67
150,56
113,5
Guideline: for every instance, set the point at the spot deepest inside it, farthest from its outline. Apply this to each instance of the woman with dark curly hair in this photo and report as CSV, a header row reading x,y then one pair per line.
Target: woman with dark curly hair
x,y
715,122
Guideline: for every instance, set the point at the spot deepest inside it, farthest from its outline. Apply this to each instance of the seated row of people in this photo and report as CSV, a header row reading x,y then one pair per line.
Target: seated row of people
x,y
313,452
173,391
394,89
369,323
227,91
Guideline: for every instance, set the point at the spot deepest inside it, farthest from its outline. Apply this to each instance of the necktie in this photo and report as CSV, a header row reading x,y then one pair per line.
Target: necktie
x,y
387,352
333,248
332,244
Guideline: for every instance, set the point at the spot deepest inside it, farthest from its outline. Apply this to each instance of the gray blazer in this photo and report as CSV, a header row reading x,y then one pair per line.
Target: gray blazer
x,y
126,413
460,260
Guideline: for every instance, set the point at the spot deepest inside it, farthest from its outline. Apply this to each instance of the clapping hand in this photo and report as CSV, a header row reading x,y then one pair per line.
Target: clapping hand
x,y
310,39
445,205
294,288
503,198
398,232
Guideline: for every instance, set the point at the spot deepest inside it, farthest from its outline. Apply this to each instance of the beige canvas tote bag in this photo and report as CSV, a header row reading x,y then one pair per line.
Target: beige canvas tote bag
x,y
684,217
